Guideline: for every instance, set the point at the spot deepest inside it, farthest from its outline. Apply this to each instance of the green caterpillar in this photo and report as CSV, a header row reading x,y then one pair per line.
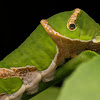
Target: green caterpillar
x,y
61,36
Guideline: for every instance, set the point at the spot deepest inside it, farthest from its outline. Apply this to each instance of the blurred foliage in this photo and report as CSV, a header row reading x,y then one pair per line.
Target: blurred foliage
x,y
49,94
84,83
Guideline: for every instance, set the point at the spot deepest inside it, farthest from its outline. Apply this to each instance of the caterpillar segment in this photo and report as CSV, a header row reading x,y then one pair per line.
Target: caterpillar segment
x,y
30,77
48,74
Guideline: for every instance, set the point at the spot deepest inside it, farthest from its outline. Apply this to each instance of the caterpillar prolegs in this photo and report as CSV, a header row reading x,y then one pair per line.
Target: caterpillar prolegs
x,y
46,48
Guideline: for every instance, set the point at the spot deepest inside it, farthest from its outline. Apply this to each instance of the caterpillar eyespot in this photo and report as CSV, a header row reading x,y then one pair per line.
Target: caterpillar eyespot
x,y
71,24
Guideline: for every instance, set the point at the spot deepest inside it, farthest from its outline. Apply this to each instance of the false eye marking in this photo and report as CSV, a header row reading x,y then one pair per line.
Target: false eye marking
x,y
71,24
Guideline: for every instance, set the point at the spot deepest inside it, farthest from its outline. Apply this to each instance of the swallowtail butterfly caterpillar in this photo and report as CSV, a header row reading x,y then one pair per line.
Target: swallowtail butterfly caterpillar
x,y
46,48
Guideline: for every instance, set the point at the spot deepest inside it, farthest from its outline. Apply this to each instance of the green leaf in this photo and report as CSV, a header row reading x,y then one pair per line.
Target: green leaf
x,y
84,83
49,94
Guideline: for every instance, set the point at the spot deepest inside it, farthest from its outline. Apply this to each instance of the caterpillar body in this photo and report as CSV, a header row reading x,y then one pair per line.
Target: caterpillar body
x,y
46,48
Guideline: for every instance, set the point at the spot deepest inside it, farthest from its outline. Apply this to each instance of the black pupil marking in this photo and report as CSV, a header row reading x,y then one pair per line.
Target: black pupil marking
x,y
72,26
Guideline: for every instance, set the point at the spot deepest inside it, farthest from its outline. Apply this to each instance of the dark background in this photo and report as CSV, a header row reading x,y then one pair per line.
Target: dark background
x,y
19,18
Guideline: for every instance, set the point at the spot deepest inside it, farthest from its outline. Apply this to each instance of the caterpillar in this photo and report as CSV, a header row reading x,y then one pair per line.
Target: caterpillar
x,y
37,58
